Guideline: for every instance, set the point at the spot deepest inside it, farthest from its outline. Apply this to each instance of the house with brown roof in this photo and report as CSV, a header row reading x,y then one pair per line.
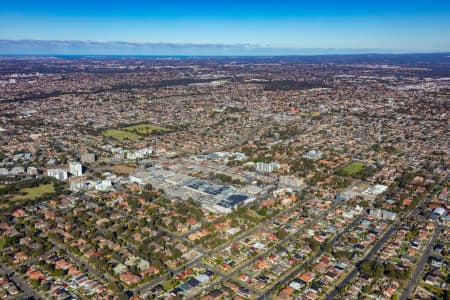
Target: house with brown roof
x,y
129,278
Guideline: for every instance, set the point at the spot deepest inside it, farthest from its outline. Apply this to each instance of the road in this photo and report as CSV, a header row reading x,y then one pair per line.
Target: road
x,y
35,259
80,262
204,252
250,231
19,282
30,293
244,138
87,266
158,280
368,256
294,272
142,289
270,249
377,246
416,275
149,284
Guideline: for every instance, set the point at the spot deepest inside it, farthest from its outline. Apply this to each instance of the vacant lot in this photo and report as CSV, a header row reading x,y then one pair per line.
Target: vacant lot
x,y
121,135
35,192
352,169
123,170
314,114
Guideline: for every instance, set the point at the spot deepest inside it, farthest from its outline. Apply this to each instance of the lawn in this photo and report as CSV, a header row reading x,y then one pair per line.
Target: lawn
x,y
35,192
121,135
167,285
353,168
145,129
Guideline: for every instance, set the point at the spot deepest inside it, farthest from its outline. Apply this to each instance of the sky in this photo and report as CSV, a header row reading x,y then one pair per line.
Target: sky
x,y
410,26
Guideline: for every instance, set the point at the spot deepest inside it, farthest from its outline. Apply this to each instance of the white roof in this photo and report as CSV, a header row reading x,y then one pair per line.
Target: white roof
x,y
202,278
439,211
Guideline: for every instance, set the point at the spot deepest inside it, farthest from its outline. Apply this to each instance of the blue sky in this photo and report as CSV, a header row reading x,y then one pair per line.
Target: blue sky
x,y
373,24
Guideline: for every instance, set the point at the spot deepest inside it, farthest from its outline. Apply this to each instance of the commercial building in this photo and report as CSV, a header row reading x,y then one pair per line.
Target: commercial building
x,y
104,186
291,181
32,171
313,154
267,167
214,197
382,214
75,168
4,172
138,154
88,158
375,190
59,174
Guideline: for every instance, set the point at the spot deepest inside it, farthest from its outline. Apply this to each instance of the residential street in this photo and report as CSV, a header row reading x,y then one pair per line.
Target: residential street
x,y
417,273
19,282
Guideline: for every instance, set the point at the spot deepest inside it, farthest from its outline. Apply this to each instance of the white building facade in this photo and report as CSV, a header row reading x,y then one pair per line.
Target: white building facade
x,y
75,168
59,174
267,167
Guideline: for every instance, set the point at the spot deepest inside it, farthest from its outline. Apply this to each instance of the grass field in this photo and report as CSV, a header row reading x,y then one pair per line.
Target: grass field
x,y
121,135
32,193
353,168
133,133
145,129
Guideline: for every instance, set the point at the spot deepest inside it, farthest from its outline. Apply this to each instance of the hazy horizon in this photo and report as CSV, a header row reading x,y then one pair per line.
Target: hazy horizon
x,y
278,27
88,47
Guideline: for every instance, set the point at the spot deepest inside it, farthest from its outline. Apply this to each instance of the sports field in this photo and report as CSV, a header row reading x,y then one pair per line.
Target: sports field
x,y
121,135
133,133
35,192
145,129
353,168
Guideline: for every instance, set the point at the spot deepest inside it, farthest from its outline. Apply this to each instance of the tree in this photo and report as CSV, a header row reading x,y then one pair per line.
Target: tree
x,y
46,286
379,270
314,245
115,286
4,242
35,283
281,233
366,289
122,297
366,267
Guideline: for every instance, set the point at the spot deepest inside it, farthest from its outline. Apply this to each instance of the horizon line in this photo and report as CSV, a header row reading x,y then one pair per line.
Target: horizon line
x,y
3,55
111,48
